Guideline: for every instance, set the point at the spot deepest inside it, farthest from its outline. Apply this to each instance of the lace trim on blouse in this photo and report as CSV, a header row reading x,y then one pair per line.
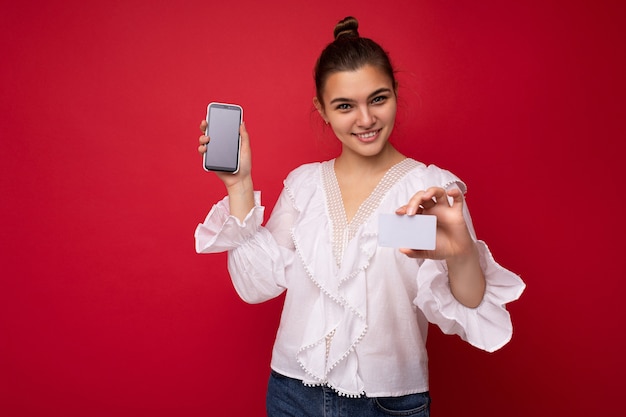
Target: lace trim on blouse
x,y
342,230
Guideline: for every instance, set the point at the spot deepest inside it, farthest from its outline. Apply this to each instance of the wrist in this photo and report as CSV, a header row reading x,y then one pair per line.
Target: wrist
x,y
466,257
242,187
241,197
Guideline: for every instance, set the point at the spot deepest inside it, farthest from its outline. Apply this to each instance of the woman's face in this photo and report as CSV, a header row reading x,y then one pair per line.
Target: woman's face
x,y
361,109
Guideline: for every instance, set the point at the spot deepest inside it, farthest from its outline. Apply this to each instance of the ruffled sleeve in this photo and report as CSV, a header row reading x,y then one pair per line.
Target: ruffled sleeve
x,y
221,232
487,326
256,263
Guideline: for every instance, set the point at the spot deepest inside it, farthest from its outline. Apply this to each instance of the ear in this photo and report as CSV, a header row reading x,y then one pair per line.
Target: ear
x,y
320,109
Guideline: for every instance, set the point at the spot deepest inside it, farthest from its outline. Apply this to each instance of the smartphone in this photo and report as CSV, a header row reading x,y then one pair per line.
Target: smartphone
x,y
223,122
411,232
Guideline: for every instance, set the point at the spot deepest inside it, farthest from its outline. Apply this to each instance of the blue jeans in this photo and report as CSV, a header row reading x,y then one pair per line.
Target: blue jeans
x,y
288,397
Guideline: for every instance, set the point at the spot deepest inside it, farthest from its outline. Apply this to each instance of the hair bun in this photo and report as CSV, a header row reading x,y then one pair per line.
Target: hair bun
x,y
347,27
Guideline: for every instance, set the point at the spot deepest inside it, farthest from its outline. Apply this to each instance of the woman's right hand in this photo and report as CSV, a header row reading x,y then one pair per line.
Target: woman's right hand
x,y
245,159
239,186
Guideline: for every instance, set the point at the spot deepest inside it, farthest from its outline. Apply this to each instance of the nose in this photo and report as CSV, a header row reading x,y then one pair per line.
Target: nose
x,y
365,117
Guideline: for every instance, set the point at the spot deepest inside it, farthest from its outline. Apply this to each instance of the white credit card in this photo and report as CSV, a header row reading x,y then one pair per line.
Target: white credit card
x,y
412,232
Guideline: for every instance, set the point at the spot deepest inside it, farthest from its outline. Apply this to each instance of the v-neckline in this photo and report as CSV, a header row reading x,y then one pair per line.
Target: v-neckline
x,y
344,231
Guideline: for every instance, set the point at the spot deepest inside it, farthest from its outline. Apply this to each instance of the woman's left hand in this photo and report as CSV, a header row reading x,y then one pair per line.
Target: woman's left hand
x,y
453,237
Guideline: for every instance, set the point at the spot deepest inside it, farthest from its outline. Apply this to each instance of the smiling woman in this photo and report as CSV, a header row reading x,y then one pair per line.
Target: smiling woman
x,y
106,309
346,297
360,106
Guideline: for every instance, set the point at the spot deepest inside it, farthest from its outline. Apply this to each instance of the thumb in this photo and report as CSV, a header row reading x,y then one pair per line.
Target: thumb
x,y
457,195
243,132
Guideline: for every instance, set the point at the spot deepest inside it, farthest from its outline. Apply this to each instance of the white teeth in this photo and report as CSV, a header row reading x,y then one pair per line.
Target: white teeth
x,y
367,135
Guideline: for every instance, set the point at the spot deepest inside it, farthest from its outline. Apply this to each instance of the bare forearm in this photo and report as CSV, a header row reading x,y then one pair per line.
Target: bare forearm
x,y
241,198
467,281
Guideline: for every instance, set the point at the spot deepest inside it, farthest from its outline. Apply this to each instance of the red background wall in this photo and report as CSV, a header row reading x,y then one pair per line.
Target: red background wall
x,y
105,309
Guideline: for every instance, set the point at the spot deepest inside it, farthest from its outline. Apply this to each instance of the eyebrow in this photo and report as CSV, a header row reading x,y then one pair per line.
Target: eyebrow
x,y
348,100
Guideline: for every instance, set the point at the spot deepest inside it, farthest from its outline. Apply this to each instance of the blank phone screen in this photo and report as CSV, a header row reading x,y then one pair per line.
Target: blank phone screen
x,y
223,129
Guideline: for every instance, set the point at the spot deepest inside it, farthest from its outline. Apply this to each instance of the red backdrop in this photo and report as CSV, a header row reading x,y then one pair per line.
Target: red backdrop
x,y
105,309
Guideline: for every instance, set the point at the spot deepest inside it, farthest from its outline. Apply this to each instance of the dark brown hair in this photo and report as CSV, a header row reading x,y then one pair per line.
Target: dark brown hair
x,y
349,52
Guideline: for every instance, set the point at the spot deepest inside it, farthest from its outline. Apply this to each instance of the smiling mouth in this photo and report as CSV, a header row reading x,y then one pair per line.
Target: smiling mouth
x,y
367,135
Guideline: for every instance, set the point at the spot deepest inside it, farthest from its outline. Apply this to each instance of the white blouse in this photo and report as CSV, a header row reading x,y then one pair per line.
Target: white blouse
x,y
356,314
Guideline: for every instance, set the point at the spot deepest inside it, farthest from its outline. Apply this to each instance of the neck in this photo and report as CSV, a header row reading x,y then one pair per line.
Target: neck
x,y
359,164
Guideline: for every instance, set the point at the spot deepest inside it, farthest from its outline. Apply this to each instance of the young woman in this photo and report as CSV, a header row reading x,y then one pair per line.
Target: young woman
x,y
352,334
